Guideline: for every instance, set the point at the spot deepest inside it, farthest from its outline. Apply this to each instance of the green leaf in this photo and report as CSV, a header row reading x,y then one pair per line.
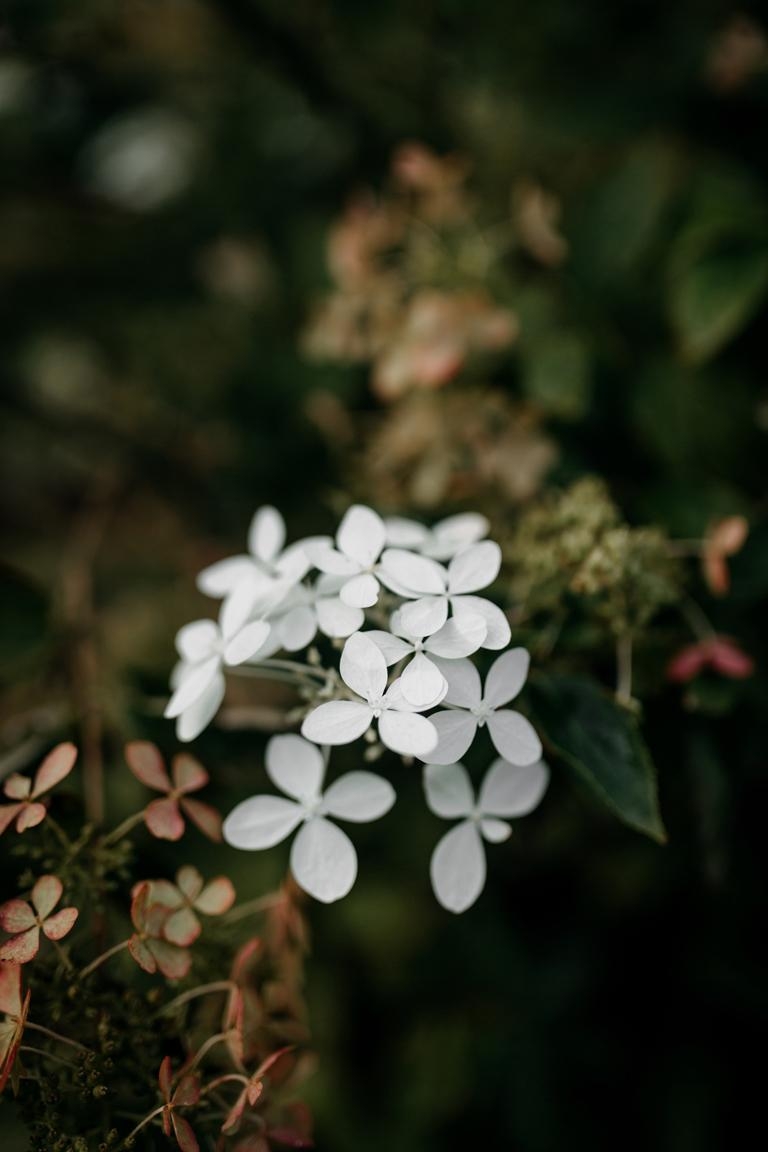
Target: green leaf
x,y
556,375
601,743
712,299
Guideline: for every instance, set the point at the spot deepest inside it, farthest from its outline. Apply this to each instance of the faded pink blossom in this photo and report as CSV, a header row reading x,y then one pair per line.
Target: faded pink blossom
x,y
718,654
164,817
26,809
185,1095
15,1009
147,946
25,920
184,899
724,539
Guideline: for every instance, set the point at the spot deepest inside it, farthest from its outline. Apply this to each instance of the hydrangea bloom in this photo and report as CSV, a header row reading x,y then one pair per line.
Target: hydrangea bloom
x,y
457,868
267,560
359,541
443,540
26,807
364,670
422,683
323,858
471,708
25,920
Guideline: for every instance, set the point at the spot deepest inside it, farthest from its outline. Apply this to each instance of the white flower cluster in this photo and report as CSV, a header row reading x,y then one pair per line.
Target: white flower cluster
x,y
422,585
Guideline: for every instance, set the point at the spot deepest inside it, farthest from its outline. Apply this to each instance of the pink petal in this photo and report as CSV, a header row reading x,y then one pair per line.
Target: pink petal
x,y
164,820
165,1077
8,812
146,763
182,928
173,962
30,816
16,916
10,989
17,787
56,927
190,882
185,1137
188,774
217,897
141,953
687,664
46,895
207,819
730,660
21,948
56,767
188,1091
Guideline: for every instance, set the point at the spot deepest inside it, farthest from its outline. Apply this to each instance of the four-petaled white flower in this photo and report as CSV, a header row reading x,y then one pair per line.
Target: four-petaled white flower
x,y
433,590
359,541
206,648
457,867
323,858
421,682
513,736
443,540
307,609
364,669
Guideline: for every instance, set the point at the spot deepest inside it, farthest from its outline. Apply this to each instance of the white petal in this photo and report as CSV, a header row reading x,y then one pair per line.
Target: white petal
x,y
297,628
474,568
464,685
506,677
448,790
403,533
457,868
247,642
192,686
498,633
495,831
508,790
423,617
261,822
198,716
323,860
196,641
361,591
239,605
407,733
363,667
361,535
359,796
221,578
422,576
514,737
294,563
328,560
458,637
266,535
391,647
337,722
295,766
337,619
422,683
455,732
455,533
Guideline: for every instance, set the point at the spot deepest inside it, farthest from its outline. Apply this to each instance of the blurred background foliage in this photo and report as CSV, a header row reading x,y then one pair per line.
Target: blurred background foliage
x,y
170,171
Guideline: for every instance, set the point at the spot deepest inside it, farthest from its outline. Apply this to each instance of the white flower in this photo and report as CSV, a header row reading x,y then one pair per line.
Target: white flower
x,y
364,670
422,683
269,568
323,858
457,868
308,608
359,542
443,540
434,590
512,735
206,648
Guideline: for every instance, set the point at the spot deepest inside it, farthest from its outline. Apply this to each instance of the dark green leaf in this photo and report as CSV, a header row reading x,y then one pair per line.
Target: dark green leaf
x,y
600,742
713,298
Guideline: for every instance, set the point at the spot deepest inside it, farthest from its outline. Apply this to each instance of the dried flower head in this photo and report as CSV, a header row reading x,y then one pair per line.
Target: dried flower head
x,y
165,818
25,920
27,809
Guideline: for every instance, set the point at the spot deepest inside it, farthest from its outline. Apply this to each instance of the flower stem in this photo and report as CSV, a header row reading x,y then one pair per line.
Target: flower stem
x,y
121,830
253,907
624,668
47,1055
147,1120
55,1036
203,990
94,964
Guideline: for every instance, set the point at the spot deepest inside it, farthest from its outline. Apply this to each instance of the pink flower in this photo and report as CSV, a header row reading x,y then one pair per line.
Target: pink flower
x,y
164,817
719,654
185,1095
724,538
184,899
14,1010
251,1093
25,920
147,946
27,809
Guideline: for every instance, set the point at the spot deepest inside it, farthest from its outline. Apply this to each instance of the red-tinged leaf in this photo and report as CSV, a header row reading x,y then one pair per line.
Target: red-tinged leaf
x,y
182,928
217,897
142,955
21,949
17,787
188,1091
16,916
190,882
30,816
46,895
188,774
57,926
147,764
165,1078
185,1137
164,820
8,813
206,818
173,962
10,989
56,767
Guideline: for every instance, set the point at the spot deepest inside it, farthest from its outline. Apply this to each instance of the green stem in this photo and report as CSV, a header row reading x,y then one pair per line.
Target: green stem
x,y
55,1036
147,1120
203,990
624,668
126,826
253,907
94,964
